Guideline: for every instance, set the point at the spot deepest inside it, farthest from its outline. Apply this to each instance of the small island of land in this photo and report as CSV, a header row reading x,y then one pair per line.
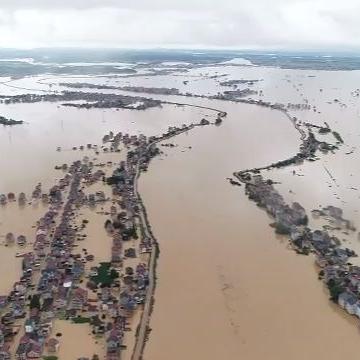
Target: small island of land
x,y
9,122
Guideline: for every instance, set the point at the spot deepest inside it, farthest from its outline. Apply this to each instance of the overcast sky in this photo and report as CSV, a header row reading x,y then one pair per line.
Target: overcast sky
x,y
272,24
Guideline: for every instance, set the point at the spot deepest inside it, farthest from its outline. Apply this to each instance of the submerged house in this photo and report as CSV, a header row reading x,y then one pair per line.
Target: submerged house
x,y
348,302
127,301
78,299
5,353
29,326
3,302
53,345
299,214
113,344
320,241
35,350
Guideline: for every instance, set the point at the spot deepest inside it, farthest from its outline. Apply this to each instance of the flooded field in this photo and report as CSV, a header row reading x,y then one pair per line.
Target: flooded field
x,y
76,340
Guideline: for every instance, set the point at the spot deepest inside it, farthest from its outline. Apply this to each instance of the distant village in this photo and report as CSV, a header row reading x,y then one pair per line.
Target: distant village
x,y
85,100
56,280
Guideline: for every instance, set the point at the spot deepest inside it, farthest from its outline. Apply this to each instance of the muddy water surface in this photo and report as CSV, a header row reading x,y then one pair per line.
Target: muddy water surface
x,y
227,287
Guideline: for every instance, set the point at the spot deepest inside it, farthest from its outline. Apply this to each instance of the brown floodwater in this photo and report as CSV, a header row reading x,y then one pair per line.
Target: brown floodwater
x,y
76,341
31,158
227,287
20,221
31,148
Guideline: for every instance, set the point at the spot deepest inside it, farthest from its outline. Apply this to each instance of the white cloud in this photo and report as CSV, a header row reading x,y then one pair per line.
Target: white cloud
x,y
182,23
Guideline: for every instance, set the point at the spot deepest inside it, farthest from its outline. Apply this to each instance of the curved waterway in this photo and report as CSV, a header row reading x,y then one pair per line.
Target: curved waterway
x,y
228,287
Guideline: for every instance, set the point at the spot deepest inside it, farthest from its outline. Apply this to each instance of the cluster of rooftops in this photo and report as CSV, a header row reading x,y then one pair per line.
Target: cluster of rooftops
x,y
57,283
340,276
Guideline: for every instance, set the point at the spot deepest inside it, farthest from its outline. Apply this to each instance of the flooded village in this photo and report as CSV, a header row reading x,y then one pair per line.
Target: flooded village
x,y
105,282
336,270
59,282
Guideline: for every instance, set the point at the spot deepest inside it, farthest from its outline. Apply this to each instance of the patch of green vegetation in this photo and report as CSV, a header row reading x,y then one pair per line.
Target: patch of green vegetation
x,y
324,130
52,357
338,137
106,275
130,233
35,302
335,289
9,122
81,320
112,180
61,314
281,229
304,251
